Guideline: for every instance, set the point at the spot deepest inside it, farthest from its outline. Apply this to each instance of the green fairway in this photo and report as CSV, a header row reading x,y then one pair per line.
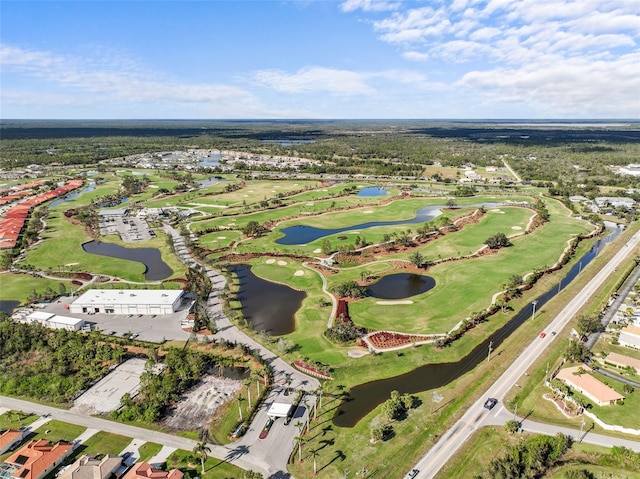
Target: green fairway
x,y
18,286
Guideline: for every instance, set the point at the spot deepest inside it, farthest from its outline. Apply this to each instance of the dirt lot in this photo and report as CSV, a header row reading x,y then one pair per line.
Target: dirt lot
x,y
201,402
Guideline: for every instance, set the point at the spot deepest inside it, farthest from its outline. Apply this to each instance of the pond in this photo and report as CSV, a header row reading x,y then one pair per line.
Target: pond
x,y
372,191
156,269
72,196
365,397
400,286
212,160
269,307
7,305
211,181
302,234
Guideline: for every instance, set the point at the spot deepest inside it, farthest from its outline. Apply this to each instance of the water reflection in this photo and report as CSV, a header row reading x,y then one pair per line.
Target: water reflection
x,y
156,269
401,285
268,306
365,397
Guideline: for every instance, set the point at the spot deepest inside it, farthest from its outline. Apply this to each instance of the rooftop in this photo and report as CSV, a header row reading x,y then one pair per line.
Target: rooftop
x,y
130,296
589,384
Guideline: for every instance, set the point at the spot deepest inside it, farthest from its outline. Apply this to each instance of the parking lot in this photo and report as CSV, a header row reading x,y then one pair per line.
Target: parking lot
x,y
151,328
130,228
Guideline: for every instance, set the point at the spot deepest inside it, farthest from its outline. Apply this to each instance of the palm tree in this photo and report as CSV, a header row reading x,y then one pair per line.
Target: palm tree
x,y
255,374
248,384
201,449
300,441
314,453
300,426
240,399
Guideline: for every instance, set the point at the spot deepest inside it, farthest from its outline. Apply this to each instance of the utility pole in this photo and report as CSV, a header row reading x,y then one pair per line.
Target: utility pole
x,y
534,302
546,373
490,349
581,428
515,411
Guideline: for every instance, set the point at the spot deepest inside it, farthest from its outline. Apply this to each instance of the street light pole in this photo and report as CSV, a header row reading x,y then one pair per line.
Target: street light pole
x,y
490,348
534,302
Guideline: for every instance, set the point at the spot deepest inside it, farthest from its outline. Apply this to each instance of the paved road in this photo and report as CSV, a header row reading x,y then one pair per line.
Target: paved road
x,y
501,416
477,415
272,453
222,452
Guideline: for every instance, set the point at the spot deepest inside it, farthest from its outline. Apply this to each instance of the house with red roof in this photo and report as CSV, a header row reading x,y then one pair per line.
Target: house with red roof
x,y
10,438
144,470
35,460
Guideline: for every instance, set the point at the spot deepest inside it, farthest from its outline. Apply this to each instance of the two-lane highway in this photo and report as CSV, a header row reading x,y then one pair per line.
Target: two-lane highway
x,y
477,415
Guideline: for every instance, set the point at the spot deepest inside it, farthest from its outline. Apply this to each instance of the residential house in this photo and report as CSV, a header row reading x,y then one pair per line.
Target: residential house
x,y
35,460
89,468
144,470
586,384
630,337
10,438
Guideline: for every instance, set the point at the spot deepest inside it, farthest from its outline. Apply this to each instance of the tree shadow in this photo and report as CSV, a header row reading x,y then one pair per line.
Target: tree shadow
x,y
339,456
237,453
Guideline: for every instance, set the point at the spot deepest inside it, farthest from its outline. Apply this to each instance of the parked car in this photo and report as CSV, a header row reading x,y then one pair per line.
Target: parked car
x,y
490,403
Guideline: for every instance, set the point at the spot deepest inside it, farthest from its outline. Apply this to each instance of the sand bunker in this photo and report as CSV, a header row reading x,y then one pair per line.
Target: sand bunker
x,y
282,263
368,212
395,301
516,228
317,250
356,353
222,237
496,210
270,261
299,273
310,203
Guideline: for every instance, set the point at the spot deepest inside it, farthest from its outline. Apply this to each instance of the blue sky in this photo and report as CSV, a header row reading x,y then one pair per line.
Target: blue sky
x,y
320,59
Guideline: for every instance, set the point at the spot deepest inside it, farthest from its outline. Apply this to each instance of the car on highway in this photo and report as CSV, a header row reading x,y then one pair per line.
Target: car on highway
x,y
543,334
412,473
490,403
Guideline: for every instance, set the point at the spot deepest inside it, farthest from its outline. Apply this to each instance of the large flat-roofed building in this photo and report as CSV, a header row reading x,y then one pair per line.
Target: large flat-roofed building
x,y
128,301
54,321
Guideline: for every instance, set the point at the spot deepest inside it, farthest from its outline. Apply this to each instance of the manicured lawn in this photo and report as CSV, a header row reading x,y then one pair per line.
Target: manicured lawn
x,y
148,450
188,463
62,250
18,287
59,431
16,419
105,443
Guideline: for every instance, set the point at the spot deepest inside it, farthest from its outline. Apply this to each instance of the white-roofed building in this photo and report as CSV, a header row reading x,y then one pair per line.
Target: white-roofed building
x,y
630,337
128,301
53,321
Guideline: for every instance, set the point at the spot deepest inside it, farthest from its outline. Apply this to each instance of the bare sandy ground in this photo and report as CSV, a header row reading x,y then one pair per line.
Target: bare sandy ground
x,y
200,403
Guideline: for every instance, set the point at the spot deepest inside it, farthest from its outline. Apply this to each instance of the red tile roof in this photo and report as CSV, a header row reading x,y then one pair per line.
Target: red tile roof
x,y
144,470
37,457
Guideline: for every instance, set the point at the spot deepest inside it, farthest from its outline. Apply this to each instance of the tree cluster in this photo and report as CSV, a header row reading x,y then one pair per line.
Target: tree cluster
x,y
530,459
51,364
497,241
349,289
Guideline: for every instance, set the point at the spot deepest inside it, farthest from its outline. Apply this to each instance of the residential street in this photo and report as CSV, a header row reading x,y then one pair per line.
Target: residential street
x,y
477,415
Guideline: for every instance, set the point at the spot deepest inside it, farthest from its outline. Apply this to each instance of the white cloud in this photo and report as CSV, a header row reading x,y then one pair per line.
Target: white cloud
x,y
576,87
369,5
415,56
312,79
110,80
